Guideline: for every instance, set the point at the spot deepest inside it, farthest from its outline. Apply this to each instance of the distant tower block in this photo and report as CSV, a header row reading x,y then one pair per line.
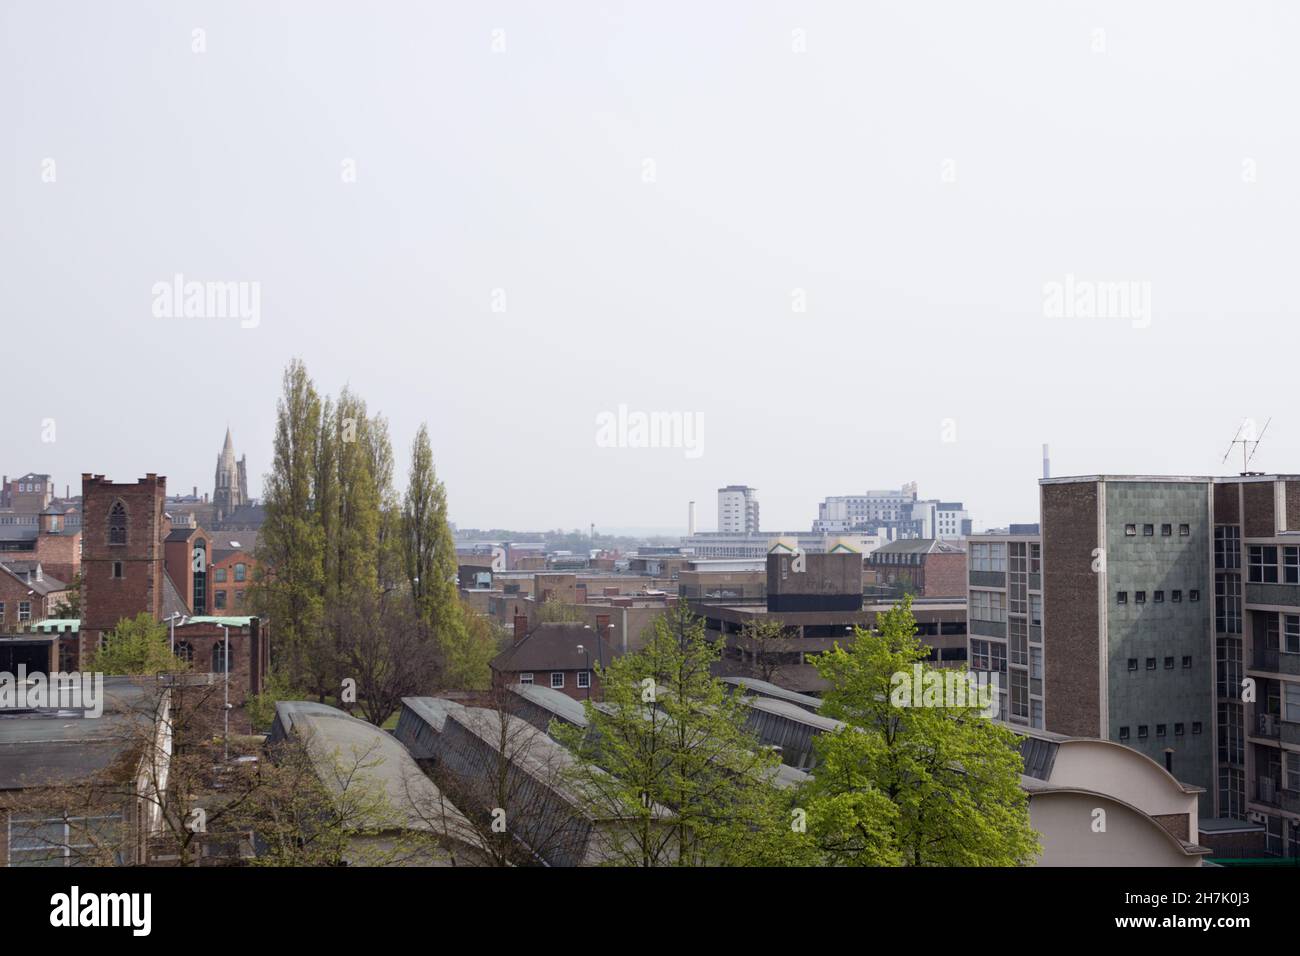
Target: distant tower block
x,y
690,519
1047,463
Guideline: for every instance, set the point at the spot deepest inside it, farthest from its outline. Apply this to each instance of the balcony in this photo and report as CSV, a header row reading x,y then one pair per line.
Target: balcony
x,y
1267,725
1273,661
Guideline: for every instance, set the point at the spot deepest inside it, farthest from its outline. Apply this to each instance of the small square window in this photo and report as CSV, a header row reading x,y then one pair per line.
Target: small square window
x,y
1148,530
1166,530
1140,597
1123,733
526,678
1142,732
1151,663
557,679
1178,730
1184,530
1132,663
584,678
1159,597
1196,726
1176,597
1130,530
1187,661
1121,597
1193,595
1160,730
1169,663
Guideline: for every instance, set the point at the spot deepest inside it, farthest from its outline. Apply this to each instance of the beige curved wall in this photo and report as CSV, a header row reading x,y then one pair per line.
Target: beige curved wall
x,y
1064,822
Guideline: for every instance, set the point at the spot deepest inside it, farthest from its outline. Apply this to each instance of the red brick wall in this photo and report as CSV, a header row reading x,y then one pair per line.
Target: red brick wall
x,y
1258,505
12,591
232,587
60,554
944,575
106,600
1071,616
248,654
543,679
1227,505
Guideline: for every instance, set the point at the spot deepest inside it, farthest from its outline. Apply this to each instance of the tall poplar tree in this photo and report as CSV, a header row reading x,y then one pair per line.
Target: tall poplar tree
x,y
289,575
428,550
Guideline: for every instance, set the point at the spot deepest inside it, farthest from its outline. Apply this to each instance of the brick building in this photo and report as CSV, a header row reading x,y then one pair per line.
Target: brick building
x,y
27,594
51,539
230,575
122,563
562,657
927,567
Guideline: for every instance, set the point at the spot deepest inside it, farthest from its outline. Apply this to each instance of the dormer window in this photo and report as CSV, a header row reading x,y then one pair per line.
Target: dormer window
x,y
117,524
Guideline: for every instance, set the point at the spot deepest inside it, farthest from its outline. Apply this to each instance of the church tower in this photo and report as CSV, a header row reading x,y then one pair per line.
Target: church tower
x,y
230,488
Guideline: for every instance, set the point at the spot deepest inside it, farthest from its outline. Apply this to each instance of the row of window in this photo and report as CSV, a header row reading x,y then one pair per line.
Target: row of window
x,y
1169,663
1263,564
1149,530
992,555
241,572
1157,597
1161,730
24,611
557,679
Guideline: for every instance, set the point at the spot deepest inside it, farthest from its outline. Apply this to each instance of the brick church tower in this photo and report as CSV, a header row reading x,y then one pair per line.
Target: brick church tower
x,y
122,532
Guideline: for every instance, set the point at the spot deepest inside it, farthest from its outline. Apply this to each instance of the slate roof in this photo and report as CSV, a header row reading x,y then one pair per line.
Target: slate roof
x,y
19,570
555,647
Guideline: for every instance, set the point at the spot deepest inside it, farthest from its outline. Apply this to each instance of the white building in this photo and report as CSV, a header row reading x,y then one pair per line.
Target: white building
x,y
738,510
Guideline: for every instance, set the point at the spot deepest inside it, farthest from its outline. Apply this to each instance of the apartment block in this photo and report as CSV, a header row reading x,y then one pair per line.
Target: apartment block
x,y
738,510
1005,621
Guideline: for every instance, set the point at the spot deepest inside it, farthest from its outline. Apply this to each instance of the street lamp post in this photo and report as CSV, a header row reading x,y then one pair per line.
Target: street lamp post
x,y
582,650
172,618
225,735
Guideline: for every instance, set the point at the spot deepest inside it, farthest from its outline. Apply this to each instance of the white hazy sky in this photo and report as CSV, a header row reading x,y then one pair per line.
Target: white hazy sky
x,y
1168,156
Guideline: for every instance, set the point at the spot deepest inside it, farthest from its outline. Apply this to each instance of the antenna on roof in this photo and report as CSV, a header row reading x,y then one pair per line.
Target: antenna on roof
x,y
1247,437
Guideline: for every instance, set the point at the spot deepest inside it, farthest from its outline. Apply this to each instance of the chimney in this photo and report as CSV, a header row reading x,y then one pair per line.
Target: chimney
x,y
1047,464
690,519
521,627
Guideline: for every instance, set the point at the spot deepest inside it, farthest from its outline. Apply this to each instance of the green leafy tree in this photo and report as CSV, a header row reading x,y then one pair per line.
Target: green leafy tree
x,y
428,549
288,582
468,660
136,646
668,753
916,783
69,606
555,611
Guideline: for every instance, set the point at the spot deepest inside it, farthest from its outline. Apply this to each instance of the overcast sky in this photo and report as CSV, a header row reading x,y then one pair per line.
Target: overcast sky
x,y
824,231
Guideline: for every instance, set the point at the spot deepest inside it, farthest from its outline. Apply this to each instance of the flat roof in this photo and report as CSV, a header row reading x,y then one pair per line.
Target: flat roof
x,y
1191,479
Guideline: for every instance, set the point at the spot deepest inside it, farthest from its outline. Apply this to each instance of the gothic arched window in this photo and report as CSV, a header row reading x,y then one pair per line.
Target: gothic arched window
x,y
219,657
117,523
185,651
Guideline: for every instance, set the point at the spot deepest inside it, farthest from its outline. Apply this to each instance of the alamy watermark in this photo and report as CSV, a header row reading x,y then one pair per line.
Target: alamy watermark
x,y
1090,299
945,688
181,299
57,691
635,429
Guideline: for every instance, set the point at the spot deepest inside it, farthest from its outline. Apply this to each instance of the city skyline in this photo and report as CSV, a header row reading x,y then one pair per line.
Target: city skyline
x,y
834,275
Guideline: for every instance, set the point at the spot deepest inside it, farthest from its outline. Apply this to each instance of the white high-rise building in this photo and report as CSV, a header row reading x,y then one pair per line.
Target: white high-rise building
x,y
738,510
